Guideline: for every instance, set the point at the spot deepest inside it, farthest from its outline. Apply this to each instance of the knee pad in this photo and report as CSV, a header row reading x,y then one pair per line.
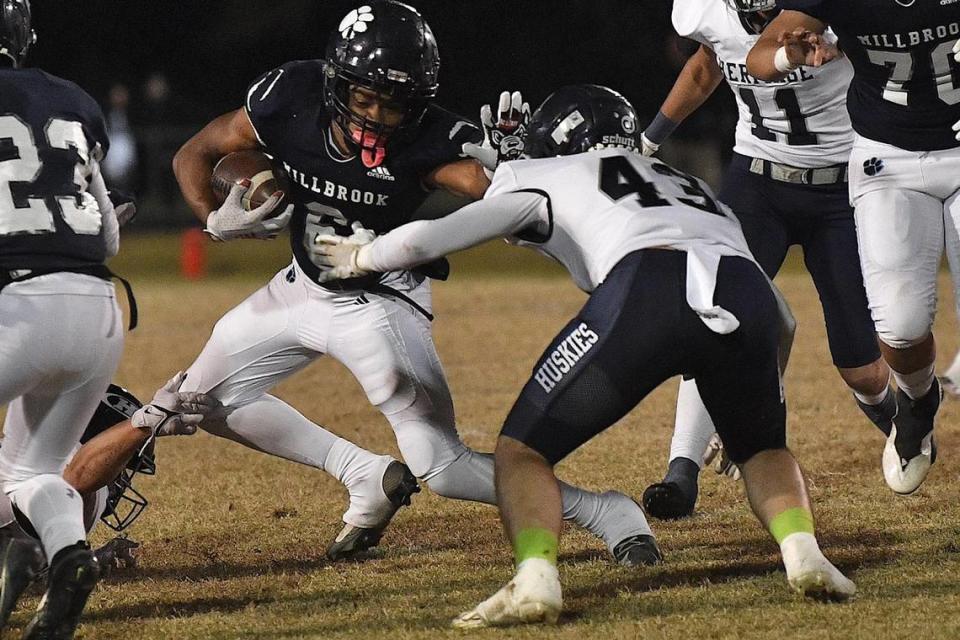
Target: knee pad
x,y
905,328
426,447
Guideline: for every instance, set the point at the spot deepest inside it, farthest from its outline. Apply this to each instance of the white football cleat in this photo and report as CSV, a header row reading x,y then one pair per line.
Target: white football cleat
x,y
823,582
906,476
533,596
809,572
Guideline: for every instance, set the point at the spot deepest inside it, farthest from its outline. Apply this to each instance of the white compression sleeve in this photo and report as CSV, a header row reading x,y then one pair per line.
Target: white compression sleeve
x,y
111,227
426,240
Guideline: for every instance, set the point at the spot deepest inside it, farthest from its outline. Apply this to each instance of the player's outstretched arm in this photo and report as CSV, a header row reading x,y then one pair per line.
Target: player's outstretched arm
x,y
171,412
423,241
791,40
697,81
102,458
193,164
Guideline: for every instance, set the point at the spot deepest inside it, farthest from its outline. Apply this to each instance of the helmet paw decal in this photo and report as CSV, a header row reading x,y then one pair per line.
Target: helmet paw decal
x,y
356,21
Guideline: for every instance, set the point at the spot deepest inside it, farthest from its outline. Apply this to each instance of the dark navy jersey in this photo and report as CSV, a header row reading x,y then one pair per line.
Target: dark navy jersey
x,y
330,192
906,87
51,135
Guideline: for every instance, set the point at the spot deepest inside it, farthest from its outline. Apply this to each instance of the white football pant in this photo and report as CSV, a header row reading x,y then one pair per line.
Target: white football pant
x,y
387,345
61,336
907,213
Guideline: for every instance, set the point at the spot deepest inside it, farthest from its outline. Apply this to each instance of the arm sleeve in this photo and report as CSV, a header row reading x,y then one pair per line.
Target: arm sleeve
x,y
110,226
426,240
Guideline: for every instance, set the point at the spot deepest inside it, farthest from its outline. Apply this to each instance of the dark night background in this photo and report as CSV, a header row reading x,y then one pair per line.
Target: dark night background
x,y
208,51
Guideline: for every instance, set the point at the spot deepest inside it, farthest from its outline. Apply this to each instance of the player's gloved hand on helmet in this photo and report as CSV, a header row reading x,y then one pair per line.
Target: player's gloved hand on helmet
x,y
724,465
503,139
342,257
231,221
647,146
124,206
177,413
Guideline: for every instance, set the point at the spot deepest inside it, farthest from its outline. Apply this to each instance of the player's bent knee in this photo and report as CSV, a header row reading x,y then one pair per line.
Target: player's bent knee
x,y
905,334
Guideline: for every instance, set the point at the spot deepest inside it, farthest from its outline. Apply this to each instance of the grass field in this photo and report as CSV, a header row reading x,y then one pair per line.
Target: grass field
x,y
233,540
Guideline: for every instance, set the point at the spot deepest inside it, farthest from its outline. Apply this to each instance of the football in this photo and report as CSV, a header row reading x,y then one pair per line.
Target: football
x,y
265,177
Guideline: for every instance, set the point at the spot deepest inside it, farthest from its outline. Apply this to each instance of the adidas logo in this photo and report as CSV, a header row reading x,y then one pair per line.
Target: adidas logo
x,y
381,173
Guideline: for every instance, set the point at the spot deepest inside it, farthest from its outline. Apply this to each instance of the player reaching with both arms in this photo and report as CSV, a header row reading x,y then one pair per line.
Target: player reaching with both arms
x,y
787,184
673,290
362,143
904,104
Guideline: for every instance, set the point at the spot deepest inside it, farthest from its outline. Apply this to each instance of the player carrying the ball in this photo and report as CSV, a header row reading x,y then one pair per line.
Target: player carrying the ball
x,y
362,143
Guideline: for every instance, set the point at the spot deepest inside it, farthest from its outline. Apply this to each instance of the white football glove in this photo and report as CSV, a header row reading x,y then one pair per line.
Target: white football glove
x,y
176,413
647,147
503,139
724,466
339,257
232,221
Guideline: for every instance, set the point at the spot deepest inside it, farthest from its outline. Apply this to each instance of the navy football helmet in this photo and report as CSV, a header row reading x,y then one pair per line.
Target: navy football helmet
x,y
755,15
387,47
16,36
124,502
579,118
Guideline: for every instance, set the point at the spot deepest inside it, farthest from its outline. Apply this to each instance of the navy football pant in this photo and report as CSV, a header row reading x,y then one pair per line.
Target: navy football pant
x,y
636,331
775,215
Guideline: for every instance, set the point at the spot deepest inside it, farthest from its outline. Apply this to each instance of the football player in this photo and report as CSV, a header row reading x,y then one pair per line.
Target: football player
x,y
61,331
787,184
117,444
904,104
673,290
362,143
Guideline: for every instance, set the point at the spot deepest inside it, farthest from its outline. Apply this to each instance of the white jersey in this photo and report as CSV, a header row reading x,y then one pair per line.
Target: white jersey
x,y
606,204
800,121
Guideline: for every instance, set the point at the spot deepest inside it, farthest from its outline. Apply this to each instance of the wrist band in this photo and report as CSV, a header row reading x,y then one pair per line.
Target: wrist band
x,y
782,62
660,129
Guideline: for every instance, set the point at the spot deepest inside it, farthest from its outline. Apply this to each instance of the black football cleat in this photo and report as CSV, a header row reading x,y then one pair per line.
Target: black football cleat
x,y
399,485
22,561
74,572
911,448
638,551
676,496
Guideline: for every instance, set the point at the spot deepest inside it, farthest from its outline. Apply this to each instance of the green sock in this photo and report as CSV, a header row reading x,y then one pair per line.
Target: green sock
x,y
795,520
535,543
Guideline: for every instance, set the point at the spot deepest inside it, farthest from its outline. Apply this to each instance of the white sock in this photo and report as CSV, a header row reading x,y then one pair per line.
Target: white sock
x,y
872,400
798,551
53,507
916,384
272,426
610,516
693,427
468,477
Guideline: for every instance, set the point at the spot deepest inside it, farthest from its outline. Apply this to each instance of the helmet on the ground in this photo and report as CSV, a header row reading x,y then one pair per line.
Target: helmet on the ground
x,y
124,502
386,47
579,118
16,35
